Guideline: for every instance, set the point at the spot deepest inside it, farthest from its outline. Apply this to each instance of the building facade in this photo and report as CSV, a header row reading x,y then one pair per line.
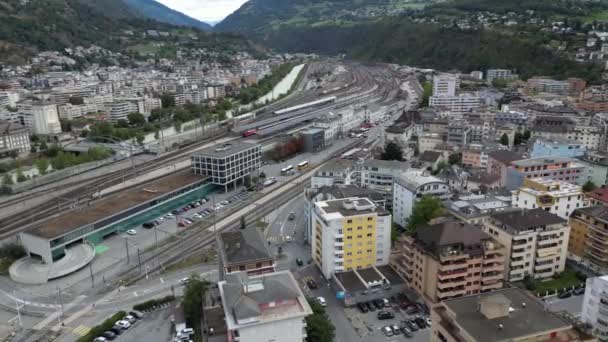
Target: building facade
x,y
228,164
556,148
588,242
595,306
596,163
14,137
548,168
409,188
558,197
448,260
536,242
349,234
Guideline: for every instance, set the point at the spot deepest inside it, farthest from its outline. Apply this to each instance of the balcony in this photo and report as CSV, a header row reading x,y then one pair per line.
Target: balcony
x,y
494,268
518,262
548,266
338,244
452,293
597,239
462,281
491,286
547,242
544,252
442,276
493,258
454,255
452,267
519,242
491,277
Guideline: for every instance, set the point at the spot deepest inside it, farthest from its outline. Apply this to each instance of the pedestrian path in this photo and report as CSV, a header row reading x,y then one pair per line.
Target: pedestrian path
x,y
81,330
56,314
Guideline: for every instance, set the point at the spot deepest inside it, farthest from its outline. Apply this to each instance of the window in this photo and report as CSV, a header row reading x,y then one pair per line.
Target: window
x,y
349,221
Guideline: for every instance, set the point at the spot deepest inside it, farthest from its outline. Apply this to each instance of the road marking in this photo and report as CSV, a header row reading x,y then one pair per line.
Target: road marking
x,y
54,315
135,294
81,330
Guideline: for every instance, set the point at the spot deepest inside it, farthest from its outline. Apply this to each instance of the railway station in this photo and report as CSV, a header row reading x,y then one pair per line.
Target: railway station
x,y
66,243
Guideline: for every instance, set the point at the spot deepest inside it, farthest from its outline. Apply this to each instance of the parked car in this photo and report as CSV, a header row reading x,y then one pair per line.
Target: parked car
x,y
396,330
117,330
148,225
387,331
412,325
565,294
136,313
100,339
130,319
378,303
370,306
131,232
579,291
187,331
299,262
385,315
123,324
322,301
420,322
311,284
412,310
109,335
184,280
362,307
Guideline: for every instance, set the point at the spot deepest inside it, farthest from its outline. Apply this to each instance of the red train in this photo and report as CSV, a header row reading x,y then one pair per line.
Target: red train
x,y
250,132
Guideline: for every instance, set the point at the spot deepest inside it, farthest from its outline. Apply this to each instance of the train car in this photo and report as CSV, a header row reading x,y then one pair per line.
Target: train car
x,y
308,105
250,132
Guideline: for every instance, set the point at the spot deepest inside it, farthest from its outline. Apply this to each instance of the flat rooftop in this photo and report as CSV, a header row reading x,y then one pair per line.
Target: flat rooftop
x,y
353,281
225,150
112,205
528,320
350,281
338,208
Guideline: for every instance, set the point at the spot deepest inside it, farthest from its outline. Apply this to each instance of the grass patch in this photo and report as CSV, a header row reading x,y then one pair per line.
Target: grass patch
x,y
566,279
205,256
598,16
5,263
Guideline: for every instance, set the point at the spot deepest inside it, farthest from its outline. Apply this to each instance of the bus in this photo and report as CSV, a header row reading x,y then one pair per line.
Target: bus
x,y
288,170
303,165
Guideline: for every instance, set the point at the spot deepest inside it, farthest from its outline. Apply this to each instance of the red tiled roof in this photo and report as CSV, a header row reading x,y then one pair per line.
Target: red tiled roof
x,y
600,194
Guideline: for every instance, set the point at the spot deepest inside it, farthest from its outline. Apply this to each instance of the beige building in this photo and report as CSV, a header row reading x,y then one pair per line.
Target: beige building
x,y
448,260
536,242
506,315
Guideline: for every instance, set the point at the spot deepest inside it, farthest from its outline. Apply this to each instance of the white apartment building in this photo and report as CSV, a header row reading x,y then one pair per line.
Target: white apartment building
x,y
14,137
349,234
595,306
558,197
457,105
39,117
536,242
151,103
445,85
121,108
410,187
266,307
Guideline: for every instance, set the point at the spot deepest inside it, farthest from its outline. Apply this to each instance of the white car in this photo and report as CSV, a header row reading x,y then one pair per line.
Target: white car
x,y
132,232
123,324
169,215
184,280
197,216
322,301
161,219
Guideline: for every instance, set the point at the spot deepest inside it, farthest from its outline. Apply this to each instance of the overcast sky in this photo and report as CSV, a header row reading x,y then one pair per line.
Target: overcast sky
x,y
205,10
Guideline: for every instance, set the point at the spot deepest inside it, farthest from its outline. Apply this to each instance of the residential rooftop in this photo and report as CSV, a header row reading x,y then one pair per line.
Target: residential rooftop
x,y
552,187
524,316
599,194
345,191
413,179
433,238
597,211
520,220
545,160
363,279
346,207
243,246
504,156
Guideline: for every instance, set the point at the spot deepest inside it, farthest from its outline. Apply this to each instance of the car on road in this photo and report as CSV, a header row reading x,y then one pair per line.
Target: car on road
x,y
321,301
109,335
288,238
311,284
565,294
299,262
387,331
291,216
579,291
385,315
131,232
184,280
362,307
100,339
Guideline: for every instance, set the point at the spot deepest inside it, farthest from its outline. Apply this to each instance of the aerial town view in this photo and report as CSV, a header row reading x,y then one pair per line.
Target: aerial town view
x,y
303,170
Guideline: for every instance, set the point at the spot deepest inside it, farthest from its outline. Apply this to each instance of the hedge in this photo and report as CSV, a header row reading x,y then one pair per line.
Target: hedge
x,y
103,327
152,302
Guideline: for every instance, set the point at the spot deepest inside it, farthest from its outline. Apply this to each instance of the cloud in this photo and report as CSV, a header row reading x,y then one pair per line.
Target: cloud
x,y
204,10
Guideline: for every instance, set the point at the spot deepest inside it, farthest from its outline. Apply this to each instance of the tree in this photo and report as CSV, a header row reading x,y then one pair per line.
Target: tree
x,y
193,302
43,146
136,119
7,179
178,126
504,140
243,222
13,154
20,176
33,149
319,327
526,135
392,151
247,181
589,186
454,158
139,137
518,138
167,100
426,209
440,166
42,165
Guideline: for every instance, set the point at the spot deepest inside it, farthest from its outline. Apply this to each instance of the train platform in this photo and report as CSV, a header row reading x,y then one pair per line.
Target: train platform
x,y
33,271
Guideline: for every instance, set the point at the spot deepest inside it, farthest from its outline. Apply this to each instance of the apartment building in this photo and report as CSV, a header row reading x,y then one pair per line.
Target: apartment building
x,y
457,105
445,85
459,133
367,173
40,117
595,306
13,137
227,164
120,109
536,242
500,74
550,168
499,161
588,242
410,187
563,148
449,259
510,314
476,209
558,197
244,250
265,307
598,196
596,163
349,234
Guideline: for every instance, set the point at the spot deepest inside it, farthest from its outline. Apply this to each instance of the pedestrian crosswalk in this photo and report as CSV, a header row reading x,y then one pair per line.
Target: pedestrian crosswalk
x,y
81,330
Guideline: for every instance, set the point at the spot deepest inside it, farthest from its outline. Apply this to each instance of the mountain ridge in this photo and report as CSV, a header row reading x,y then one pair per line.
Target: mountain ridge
x,y
155,10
